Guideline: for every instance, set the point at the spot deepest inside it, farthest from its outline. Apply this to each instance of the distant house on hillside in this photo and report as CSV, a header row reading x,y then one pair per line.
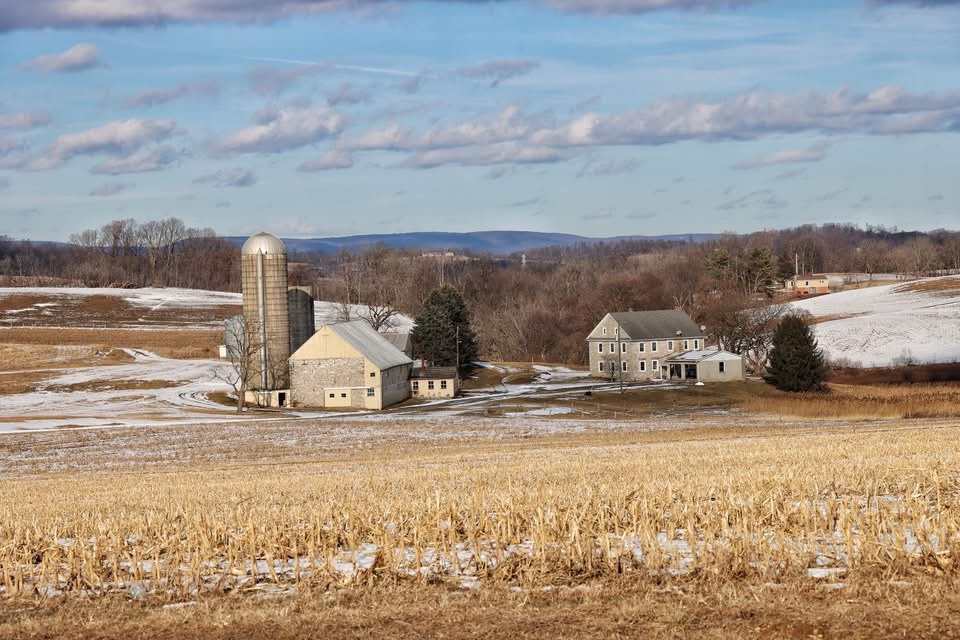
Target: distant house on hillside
x,y
349,365
639,342
807,284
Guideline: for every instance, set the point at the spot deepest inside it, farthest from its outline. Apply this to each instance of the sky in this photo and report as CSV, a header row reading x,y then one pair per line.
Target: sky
x,y
314,118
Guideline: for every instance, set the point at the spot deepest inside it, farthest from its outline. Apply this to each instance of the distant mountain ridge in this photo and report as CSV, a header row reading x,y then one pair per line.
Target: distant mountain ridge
x,y
495,242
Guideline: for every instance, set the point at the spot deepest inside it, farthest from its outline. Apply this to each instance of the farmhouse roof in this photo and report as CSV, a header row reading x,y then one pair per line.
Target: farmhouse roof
x,y
435,373
648,325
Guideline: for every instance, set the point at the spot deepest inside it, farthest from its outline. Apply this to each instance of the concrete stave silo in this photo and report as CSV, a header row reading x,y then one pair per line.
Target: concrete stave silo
x,y
263,261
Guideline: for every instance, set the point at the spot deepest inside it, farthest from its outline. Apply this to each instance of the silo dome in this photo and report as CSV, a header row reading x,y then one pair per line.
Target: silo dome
x,y
265,243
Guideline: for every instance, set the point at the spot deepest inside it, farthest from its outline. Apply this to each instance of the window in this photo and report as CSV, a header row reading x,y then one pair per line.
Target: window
x,y
430,385
653,346
333,395
604,331
643,365
343,395
416,386
696,344
655,365
600,366
373,374
669,345
613,348
642,346
623,366
686,345
443,384
599,347
623,347
371,392
721,366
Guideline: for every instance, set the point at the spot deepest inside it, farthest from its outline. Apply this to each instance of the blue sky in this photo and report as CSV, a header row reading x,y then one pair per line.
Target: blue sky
x,y
598,117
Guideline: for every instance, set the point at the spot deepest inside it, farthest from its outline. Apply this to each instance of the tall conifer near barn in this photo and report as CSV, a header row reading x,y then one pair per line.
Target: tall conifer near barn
x,y
796,362
435,335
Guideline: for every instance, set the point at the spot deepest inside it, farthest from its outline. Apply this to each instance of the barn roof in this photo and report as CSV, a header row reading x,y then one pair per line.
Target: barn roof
x,y
374,347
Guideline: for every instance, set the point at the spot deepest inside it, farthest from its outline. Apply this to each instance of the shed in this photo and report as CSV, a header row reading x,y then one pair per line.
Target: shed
x,y
435,382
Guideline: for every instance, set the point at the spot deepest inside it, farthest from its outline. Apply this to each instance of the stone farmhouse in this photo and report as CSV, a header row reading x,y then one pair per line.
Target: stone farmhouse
x,y
349,365
657,345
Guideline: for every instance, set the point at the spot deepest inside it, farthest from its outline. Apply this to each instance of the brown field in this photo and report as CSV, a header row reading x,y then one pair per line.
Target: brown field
x,y
725,530
945,285
103,310
173,343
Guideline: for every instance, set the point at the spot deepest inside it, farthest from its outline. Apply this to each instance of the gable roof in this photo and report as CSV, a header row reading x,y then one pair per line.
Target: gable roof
x,y
652,325
367,342
400,340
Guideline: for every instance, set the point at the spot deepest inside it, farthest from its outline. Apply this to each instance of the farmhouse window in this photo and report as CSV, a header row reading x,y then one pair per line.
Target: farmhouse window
x,y
623,366
653,346
604,331
643,365
655,365
613,348
430,385
696,344
371,392
722,366
686,345
642,346
599,347
623,347
669,345
600,364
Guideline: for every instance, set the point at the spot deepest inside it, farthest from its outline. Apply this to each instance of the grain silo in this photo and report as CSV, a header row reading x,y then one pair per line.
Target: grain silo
x,y
263,263
302,318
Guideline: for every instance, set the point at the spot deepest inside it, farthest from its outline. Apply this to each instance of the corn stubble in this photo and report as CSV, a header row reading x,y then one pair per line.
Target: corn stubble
x,y
878,504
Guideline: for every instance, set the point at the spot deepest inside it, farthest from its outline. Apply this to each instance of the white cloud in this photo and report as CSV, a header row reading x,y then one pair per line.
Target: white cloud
x,y
142,161
332,159
483,155
79,57
24,119
117,137
278,130
238,177
162,95
814,153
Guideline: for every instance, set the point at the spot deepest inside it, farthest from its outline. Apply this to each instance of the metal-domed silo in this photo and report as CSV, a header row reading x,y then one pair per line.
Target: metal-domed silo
x,y
263,264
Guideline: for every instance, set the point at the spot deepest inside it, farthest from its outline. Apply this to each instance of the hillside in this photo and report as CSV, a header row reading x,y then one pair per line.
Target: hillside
x,y
913,322
495,242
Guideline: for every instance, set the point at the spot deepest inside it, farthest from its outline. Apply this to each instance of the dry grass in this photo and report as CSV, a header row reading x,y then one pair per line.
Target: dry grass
x,y
935,285
545,513
933,400
174,343
108,310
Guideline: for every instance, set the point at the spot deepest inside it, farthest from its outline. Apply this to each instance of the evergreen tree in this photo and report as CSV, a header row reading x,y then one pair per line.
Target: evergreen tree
x,y
435,334
796,362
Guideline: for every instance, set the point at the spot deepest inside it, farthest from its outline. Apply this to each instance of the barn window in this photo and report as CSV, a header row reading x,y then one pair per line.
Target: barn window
x,y
373,374
430,385
343,395
443,384
416,386
721,366
371,392
333,395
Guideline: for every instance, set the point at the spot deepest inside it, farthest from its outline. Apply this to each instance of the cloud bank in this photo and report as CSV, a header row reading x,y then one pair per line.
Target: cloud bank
x,y
79,57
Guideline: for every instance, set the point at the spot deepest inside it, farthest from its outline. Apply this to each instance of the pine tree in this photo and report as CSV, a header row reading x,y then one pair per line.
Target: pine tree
x,y
796,362
435,334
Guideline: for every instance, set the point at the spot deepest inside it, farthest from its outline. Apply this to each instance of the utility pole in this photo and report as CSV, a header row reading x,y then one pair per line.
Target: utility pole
x,y
458,349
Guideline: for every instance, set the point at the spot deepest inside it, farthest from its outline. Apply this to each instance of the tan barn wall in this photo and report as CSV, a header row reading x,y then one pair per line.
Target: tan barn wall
x,y
312,381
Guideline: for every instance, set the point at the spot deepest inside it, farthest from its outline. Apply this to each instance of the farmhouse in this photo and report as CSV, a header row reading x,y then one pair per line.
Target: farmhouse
x,y
638,343
704,365
807,284
349,365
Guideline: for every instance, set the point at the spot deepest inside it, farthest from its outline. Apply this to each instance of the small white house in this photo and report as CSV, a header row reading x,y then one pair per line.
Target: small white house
x,y
705,365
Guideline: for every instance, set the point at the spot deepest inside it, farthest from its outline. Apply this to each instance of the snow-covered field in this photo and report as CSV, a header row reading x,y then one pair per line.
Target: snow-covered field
x,y
890,324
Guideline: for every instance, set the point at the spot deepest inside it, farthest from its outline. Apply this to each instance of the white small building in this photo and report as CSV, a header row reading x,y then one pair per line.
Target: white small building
x,y
435,382
705,365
